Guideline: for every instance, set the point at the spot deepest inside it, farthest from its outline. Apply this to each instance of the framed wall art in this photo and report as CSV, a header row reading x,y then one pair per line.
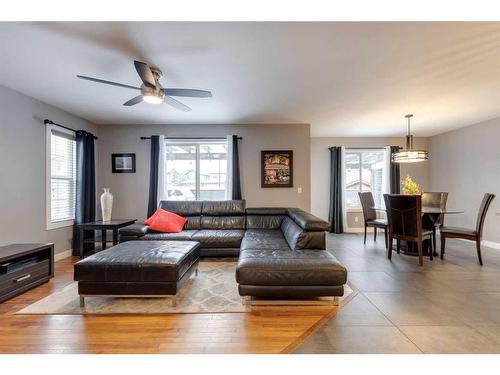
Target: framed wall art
x,y
277,169
123,163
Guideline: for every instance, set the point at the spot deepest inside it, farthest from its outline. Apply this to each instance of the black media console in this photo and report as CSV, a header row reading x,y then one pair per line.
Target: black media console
x,y
24,266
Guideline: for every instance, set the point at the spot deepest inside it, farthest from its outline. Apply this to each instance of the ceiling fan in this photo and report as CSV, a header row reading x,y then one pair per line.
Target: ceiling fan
x,y
152,91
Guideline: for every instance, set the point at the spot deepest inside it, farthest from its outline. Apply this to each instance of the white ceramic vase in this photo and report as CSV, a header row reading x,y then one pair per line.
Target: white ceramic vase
x,y
106,204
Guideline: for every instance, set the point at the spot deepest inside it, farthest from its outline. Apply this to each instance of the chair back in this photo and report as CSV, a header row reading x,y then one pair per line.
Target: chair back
x,y
404,216
367,203
483,210
435,199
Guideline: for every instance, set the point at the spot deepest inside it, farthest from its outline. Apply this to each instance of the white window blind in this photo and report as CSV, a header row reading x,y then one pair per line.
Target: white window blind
x,y
62,177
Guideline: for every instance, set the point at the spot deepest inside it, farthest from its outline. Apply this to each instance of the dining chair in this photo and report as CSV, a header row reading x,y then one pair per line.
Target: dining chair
x,y
404,216
475,234
370,216
435,200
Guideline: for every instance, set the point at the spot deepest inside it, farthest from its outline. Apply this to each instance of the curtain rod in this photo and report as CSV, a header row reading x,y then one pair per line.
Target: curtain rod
x,y
359,148
49,122
191,137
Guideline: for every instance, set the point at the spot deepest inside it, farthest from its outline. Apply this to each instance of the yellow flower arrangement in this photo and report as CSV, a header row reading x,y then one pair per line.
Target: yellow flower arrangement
x,y
410,187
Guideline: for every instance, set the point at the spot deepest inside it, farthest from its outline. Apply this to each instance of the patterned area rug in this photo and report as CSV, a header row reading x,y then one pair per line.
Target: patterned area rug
x,y
214,290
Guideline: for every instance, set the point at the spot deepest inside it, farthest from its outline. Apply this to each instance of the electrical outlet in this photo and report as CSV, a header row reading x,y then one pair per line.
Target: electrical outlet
x,y
299,190
356,219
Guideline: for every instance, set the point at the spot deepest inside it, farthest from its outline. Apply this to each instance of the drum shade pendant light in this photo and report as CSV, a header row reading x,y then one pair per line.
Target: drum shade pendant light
x,y
409,155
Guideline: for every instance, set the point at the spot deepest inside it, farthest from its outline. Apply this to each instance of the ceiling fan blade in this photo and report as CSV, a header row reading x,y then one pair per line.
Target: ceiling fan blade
x,y
133,101
145,73
192,93
108,82
175,103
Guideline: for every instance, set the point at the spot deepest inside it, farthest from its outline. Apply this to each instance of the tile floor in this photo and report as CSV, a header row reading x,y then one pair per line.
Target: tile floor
x,y
449,306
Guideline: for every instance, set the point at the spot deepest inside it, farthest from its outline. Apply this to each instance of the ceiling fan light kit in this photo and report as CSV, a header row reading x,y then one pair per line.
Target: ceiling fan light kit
x,y
152,96
152,92
409,155
152,99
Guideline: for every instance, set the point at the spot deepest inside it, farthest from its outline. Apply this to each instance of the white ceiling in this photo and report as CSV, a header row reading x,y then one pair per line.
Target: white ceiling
x,y
345,79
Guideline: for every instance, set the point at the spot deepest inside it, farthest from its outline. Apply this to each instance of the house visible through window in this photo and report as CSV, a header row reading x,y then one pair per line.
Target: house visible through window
x,y
364,171
61,172
196,170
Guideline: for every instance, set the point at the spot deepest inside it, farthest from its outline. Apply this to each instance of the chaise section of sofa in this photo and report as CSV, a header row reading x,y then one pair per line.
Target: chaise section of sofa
x,y
289,274
283,256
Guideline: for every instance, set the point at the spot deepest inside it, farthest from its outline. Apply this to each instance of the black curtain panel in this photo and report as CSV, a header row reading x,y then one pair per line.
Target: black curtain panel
x,y
395,174
236,170
85,200
153,175
335,215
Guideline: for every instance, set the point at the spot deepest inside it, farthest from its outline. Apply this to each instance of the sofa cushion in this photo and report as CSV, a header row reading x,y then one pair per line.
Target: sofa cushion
x,y
210,238
223,208
168,222
289,268
264,221
292,233
223,222
185,235
191,210
193,222
264,239
150,219
182,208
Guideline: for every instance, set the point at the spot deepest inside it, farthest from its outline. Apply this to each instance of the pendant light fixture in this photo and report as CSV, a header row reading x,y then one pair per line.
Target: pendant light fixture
x,y
409,155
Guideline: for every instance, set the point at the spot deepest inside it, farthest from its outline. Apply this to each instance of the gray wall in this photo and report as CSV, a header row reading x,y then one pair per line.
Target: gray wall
x,y
320,167
466,163
22,168
130,191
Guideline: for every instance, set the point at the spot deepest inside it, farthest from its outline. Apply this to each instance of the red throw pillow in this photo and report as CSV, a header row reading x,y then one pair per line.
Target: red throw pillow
x,y
167,222
152,217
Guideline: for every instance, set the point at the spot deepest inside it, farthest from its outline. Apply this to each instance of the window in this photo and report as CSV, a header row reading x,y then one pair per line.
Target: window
x,y
196,170
61,177
364,171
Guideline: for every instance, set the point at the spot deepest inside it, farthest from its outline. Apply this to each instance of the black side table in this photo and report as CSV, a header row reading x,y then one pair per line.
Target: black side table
x,y
103,226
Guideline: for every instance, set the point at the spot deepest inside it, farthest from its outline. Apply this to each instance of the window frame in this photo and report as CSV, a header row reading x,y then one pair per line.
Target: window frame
x,y
360,152
48,178
197,143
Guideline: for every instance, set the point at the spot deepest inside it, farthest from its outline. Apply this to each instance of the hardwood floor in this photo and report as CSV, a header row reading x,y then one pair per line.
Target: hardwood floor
x,y
275,329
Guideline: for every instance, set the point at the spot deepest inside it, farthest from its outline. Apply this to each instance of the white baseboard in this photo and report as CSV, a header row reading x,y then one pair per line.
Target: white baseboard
x,y
494,245
362,230
63,255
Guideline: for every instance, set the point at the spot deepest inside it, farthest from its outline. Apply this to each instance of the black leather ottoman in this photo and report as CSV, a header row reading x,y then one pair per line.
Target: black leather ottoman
x,y
138,269
285,274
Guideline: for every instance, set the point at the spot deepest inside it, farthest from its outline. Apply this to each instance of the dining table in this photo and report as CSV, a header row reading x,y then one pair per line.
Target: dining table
x,y
431,216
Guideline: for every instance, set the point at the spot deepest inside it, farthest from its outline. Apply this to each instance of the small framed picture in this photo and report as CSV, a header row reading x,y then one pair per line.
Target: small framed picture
x,y
123,163
277,169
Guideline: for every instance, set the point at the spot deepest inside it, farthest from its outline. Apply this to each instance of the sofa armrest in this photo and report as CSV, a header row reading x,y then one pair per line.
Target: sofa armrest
x,y
300,239
307,221
134,230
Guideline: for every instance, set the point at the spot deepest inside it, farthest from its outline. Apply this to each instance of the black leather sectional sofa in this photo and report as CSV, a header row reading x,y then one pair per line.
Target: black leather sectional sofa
x,y
281,250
